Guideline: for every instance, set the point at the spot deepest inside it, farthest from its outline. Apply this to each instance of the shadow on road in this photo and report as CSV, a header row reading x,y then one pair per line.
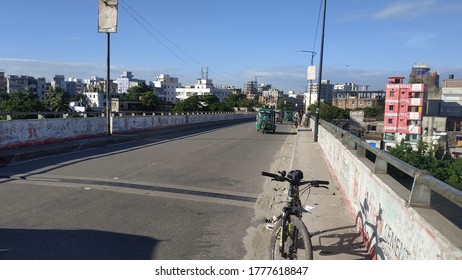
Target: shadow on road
x,y
35,244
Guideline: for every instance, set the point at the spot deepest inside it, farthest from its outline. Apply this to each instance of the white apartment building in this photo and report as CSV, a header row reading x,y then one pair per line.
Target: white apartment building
x,y
165,87
127,81
203,87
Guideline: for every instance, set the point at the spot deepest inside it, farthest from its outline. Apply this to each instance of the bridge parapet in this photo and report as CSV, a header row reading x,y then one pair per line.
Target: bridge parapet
x,y
57,127
401,211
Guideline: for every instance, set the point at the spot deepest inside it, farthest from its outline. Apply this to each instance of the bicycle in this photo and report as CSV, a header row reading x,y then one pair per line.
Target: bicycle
x,y
295,123
290,239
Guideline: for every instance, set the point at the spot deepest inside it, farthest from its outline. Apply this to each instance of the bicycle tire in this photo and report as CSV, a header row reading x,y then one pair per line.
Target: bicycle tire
x,y
294,125
303,249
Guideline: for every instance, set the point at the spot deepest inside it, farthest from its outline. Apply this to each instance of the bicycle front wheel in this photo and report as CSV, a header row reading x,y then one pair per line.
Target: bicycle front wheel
x,y
297,242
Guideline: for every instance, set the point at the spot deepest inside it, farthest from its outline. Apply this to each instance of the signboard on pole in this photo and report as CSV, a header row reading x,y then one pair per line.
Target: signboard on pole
x,y
107,16
311,73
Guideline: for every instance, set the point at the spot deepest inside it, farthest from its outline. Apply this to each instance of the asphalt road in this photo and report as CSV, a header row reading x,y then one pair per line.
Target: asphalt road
x,y
189,195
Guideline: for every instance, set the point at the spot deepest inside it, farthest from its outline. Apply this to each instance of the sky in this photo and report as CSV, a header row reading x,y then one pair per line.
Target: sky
x,y
238,41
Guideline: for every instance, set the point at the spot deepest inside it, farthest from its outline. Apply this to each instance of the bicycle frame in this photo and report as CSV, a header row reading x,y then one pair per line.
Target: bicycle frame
x,y
290,229
293,208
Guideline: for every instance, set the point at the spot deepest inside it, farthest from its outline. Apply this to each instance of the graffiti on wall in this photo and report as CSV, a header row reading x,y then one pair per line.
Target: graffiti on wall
x,y
382,242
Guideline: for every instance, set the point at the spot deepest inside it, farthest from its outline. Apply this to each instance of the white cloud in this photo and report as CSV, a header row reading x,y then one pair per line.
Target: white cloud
x,y
407,9
47,69
420,39
417,8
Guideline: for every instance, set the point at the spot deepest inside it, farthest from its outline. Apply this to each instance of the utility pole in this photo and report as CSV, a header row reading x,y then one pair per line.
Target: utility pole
x,y
318,105
311,74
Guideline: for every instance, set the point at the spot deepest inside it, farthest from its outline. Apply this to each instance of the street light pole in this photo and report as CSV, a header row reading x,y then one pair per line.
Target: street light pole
x,y
318,105
108,86
310,76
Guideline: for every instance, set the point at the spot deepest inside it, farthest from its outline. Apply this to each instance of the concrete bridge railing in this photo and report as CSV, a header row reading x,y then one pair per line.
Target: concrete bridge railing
x,y
61,127
401,211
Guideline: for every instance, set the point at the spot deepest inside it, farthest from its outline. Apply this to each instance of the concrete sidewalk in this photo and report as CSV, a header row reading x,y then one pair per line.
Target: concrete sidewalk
x,y
334,235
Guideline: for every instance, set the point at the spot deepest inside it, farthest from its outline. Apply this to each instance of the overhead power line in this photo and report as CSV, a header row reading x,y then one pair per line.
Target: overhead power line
x,y
150,28
126,7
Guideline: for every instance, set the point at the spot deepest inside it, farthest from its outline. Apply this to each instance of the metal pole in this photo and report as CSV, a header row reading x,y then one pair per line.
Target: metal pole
x,y
108,90
316,123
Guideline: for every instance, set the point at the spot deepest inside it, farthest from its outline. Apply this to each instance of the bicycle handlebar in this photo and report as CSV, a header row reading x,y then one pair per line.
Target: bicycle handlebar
x,y
282,177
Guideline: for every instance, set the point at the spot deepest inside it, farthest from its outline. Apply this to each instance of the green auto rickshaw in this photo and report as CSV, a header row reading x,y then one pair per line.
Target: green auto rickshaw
x,y
266,120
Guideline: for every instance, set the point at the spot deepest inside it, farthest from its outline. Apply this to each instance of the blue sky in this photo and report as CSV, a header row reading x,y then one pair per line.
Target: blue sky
x,y
365,41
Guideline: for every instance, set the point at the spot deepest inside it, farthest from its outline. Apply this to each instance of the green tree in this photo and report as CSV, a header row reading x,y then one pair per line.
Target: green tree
x,y
149,100
202,103
20,101
134,93
429,157
190,104
330,113
285,104
82,98
56,100
374,112
145,94
238,100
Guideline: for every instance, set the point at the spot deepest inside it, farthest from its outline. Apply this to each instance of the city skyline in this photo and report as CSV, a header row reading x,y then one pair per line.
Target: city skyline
x,y
238,41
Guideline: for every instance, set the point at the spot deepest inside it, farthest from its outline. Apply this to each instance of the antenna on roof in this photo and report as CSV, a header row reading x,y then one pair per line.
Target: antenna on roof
x,y
205,73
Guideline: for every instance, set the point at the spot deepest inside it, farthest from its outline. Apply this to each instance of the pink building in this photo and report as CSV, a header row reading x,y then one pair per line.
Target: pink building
x,y
404,104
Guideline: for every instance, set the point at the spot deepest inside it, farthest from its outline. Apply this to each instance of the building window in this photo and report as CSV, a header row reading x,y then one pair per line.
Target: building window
x,y
392,93
390,121
372,127
391,107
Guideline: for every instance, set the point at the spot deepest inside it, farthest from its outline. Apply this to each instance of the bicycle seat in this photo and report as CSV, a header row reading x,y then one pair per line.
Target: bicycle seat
x,y
295,175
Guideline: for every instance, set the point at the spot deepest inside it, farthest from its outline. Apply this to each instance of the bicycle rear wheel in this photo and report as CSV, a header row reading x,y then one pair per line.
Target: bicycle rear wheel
x,y
297,244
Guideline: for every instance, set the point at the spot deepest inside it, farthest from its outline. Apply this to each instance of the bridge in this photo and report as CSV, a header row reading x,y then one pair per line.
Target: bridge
x,y
400,212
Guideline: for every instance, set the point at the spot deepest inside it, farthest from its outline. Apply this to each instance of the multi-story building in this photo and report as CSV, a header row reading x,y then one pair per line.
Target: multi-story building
x,y
404,107
251,90
96,84
41,88
127,81
75,86
2,82
165,87
36,86
271,97
16,83
59,81
326,92
203,86
451,98
421,73
346,99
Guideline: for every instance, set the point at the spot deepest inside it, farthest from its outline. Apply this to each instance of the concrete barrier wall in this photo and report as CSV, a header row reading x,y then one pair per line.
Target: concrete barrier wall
x,y
390,227
18,133
134,123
